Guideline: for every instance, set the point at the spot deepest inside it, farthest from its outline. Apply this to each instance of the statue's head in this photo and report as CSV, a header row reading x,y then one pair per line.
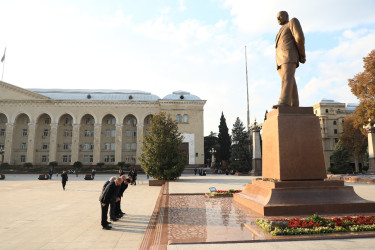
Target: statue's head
x,y
282,17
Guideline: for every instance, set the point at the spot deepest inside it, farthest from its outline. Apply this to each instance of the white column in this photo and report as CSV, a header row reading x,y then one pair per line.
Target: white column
x,y
53,142
118,140
75,142
30,143
140,126
371,148
8,145
97,146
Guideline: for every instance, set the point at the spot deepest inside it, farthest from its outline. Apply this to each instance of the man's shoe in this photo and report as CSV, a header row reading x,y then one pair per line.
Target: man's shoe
x,y
119,216
108,223
114,219
107,227
122,213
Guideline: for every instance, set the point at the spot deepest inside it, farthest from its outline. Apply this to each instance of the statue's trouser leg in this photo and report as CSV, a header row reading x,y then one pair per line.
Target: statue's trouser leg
x,y
289,91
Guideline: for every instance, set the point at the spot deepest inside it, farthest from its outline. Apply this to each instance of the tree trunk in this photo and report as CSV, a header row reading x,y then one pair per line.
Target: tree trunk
x,y
356,163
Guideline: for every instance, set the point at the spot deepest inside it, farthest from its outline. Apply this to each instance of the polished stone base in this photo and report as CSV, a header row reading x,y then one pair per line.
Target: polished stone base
x,y
257,167
302,198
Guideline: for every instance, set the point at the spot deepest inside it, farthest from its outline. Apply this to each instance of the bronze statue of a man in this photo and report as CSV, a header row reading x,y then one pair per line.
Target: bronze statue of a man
x,y
290,51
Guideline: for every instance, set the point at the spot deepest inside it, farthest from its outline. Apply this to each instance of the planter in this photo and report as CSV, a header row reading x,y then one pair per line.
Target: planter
x,y
2,177
43,177
88,177
156,182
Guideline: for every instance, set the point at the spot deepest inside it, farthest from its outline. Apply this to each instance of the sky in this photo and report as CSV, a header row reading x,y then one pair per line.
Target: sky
x,y
161,46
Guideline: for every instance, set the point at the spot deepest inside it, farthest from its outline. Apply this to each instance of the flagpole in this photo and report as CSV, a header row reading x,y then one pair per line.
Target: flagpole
x,y
3,61
247,93
2,75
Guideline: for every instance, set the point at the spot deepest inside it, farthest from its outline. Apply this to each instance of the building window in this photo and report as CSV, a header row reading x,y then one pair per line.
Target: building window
x,y
111,121
67,146
110,146
22,158
23,145
68,121
90,121
186,118
47,121
67,158
109,158
335,131
45,146
44,158
336,140
178,118
26,120
88,158
131,121
131,133
45,132
24,132
334,122
148,121
67,132
89,133
2,132
2,145
326,110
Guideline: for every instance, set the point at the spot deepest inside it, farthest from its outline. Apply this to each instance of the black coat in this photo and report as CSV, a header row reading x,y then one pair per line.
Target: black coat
x,y
64,177
123,187
109,194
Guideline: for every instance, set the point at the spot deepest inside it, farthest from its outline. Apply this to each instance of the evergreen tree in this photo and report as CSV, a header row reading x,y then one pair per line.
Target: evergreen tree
x,y
240,151
161,157
224,140
340,160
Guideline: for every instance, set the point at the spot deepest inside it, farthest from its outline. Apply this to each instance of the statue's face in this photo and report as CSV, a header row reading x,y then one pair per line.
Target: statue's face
x,y
282,18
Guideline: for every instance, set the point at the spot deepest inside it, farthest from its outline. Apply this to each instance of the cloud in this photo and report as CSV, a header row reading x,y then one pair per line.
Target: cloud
x,y
259,17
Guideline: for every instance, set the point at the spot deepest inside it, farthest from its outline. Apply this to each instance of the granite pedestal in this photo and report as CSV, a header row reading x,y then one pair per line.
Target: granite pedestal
x,y
293,157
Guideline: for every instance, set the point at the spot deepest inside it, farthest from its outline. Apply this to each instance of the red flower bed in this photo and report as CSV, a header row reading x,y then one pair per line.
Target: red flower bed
x,y
317,221
227,192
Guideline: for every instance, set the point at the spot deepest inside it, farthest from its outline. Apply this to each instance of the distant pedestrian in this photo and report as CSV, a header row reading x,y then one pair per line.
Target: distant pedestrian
x,y
50,172
195,171
93,171
64,179
133,174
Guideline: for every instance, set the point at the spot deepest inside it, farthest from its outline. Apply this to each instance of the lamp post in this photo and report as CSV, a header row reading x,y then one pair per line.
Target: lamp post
x,y
370,129
212,151
257,153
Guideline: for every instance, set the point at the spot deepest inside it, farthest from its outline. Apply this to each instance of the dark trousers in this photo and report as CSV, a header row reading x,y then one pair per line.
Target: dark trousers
x,y
112,208
118,210
104,214
63,184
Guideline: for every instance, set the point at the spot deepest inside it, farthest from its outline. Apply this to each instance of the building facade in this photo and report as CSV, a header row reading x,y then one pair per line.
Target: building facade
x,y
90,126
331,116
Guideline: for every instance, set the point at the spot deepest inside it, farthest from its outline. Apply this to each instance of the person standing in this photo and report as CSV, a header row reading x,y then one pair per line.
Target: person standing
x,y
133,174
290,51
107,195
64,179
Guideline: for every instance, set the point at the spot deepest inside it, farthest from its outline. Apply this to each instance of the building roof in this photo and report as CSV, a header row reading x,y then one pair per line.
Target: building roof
x,y
97,94
181,95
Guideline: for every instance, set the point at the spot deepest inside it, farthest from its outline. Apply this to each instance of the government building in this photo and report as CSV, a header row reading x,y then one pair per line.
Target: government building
x,y
91,126
331,116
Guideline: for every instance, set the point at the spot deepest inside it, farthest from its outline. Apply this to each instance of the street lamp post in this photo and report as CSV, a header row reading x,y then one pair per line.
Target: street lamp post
x,y
212,151
370,129
257,153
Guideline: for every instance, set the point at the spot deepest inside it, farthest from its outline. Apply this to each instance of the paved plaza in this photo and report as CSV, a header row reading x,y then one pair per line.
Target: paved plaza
x,y
40,215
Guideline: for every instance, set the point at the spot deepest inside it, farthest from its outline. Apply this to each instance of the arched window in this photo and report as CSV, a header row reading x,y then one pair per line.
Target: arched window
x,y
178,118
186,118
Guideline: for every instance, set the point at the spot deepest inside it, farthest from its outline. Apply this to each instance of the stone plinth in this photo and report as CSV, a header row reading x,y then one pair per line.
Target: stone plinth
x,y
292,145
302,198
293,156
